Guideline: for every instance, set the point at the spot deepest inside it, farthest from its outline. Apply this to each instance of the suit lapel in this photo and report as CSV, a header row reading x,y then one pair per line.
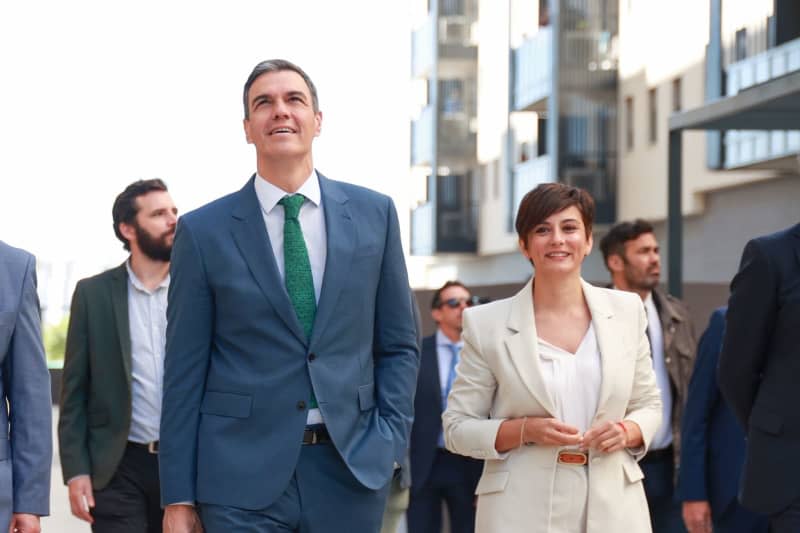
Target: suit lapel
x,y
119,304
607,339
341,239
252,240
521,344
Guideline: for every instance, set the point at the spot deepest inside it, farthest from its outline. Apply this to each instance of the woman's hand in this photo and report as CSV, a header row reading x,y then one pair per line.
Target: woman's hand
x,y
550,432
608,437
515,432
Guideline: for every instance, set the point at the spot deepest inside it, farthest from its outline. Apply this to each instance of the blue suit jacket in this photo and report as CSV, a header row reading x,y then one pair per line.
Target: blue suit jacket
x,y
759,368
239,369
713,444
26,451
428,421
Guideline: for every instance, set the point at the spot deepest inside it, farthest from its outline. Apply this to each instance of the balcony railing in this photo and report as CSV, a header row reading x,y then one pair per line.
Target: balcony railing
x,y
532,69
422,137
423,48
423,230
528,175
744,148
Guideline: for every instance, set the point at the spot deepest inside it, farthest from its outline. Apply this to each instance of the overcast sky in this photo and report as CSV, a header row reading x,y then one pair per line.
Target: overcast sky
x,y
96,94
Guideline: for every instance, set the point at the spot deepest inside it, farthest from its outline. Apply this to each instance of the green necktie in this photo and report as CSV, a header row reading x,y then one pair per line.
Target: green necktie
x,y
297,268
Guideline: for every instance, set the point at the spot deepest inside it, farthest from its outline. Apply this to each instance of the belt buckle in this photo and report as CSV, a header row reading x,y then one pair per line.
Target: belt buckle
x,y
573,458
314,437
152,447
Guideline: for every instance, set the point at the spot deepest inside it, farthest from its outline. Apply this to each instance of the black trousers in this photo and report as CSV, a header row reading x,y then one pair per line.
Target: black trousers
x,y
786,521
448,482
131,502
665,511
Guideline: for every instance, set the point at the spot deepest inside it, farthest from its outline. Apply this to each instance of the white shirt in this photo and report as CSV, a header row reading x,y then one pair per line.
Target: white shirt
x,y
147,320
663,436
573,380
312,222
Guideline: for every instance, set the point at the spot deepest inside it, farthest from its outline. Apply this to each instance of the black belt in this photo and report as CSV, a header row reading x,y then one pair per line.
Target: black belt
x,y
316,434
664,454
151,447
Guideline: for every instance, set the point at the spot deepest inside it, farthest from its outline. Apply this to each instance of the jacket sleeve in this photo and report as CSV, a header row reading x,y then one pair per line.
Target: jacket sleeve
x,y
644,406
30,405
751,314
190,329
703,396
468,430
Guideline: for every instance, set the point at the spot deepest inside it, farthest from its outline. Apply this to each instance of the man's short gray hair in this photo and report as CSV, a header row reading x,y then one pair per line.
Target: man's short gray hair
x,y
277,65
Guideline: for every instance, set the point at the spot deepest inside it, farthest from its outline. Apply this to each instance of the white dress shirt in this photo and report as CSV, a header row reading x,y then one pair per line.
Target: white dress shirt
x,y
147,319
573,380
312,222
663,436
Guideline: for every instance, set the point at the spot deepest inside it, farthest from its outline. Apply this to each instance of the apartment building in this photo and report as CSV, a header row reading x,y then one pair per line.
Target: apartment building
x,y
538,84
580,91
736,184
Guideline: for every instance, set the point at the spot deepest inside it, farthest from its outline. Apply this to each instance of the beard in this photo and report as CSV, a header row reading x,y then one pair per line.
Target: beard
x,y
155,248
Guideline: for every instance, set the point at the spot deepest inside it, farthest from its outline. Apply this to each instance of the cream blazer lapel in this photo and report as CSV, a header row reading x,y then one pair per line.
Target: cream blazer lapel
x,y
522,343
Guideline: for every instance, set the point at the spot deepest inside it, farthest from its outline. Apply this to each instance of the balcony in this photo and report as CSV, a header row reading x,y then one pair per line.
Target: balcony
x,y
528,175
533,71
423,239
423,48
749,148
422,137
451,226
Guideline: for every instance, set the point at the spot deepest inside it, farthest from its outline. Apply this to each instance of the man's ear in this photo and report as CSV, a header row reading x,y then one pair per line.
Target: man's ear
x,y
127,231
246,124
436,314
615,263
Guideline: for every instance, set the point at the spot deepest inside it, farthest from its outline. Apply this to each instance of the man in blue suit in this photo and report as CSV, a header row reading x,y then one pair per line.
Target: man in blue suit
x,y
26,447
291,349
759,369
712,448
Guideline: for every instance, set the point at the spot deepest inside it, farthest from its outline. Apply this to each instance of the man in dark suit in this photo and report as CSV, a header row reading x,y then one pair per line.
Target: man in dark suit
x,y
26,446
759,372
631,253
712,448
438,475
113,369
291,348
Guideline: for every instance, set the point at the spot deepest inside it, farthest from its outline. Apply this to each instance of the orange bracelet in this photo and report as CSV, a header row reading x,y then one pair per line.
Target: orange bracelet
x,y
625,430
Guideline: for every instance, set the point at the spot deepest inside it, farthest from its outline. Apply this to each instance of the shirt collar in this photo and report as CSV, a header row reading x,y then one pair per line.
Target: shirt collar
x,y
442,340
138,285
269,195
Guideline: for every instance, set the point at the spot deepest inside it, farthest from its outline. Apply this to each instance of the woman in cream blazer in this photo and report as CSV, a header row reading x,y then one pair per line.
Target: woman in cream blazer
x,y
507,402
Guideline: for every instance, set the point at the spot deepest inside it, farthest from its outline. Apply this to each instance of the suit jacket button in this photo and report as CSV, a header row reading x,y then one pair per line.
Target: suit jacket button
x,y
312,356
301,405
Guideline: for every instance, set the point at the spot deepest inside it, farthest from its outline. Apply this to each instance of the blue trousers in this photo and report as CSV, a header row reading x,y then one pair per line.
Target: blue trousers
x,y
323,496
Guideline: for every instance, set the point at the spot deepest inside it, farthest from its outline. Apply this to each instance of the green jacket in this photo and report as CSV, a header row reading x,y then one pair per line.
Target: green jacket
x,y
95,413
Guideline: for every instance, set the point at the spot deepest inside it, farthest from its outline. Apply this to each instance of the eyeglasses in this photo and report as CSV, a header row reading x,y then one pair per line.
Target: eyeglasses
x,y
454,303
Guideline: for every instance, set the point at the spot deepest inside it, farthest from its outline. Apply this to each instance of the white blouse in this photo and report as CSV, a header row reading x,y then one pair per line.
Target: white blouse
x,y
573,380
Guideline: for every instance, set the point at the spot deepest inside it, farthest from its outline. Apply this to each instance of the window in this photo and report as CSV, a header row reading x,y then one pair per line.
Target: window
x,y
740,45
629,123
652,113
676,95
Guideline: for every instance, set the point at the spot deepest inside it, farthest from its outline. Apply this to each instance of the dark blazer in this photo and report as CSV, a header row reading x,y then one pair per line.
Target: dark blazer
x,y
95,415
713,448
26,442
428,420
239,369
759,368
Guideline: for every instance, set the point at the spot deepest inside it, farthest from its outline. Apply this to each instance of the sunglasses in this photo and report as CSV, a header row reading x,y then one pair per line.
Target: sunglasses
x,y
454,303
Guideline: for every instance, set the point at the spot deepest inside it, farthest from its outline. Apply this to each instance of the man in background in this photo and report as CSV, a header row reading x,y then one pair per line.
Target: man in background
x,y
26,447
712,448
113,368
631,254
437,475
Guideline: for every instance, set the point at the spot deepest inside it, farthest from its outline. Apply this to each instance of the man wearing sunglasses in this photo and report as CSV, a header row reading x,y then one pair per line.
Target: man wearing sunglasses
x,y
436,474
